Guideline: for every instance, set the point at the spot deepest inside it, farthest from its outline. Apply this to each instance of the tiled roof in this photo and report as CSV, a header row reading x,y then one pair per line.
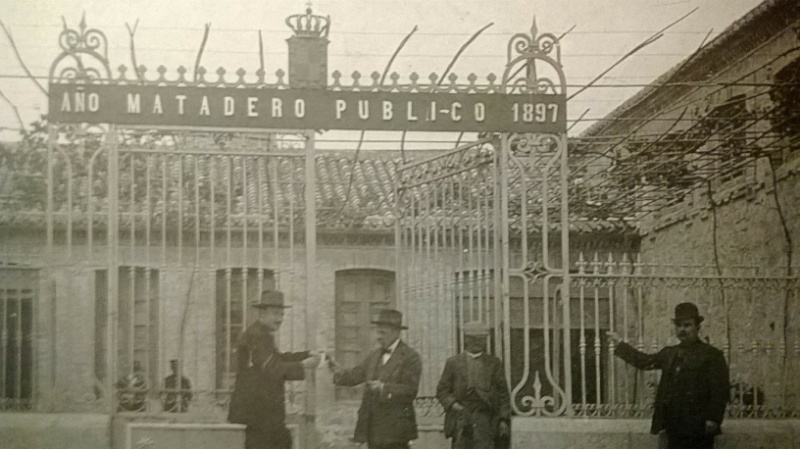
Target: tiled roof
x,y
353,194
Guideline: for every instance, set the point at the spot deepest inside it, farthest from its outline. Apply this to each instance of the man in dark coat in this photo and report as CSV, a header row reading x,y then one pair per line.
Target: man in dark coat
x,y
391,373
691,397
177,396
259,395
474,393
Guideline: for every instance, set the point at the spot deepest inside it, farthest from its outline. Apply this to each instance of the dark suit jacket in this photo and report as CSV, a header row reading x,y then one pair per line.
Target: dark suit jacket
x,y
453,387
694,385
260,376
388,416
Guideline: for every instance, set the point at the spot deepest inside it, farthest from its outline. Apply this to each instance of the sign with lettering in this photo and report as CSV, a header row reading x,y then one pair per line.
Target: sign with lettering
x,y
230,107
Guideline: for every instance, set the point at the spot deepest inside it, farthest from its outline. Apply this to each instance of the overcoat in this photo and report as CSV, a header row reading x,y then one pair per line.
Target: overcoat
x,y
259,397
694,385
387,416
454,387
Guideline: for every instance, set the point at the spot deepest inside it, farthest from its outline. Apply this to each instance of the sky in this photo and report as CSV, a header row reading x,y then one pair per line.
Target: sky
x,y
363,36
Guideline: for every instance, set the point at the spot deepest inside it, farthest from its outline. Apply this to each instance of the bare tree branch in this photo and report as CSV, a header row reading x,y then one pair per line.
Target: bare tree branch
x,y
361,137
703,43
461,50
131,33
202,48
658,35
16,111
578,119
566,32
261,52
19,58
394,55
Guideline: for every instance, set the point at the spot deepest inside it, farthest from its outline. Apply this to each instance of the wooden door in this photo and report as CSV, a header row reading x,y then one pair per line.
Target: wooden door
x,y
360,294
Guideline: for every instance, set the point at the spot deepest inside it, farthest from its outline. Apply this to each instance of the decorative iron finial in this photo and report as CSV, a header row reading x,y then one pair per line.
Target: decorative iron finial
x,y
309,25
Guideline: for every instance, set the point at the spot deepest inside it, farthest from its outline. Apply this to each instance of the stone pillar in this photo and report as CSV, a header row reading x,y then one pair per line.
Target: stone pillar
x,y
308,51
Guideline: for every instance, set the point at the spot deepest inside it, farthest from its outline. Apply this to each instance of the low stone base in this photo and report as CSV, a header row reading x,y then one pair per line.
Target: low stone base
x,y
54,430
577,433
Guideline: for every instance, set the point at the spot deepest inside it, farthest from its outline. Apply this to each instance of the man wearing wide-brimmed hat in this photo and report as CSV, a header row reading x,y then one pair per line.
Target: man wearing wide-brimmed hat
x,y
391,373
694,389
474,393
258,399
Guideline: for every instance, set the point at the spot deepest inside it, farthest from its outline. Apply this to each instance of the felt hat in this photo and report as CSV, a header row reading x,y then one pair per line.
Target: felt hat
x,y
271,298
390,317
475,328
685,311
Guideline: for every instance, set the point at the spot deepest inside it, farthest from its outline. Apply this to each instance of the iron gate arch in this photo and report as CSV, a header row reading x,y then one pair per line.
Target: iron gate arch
x,y
464,220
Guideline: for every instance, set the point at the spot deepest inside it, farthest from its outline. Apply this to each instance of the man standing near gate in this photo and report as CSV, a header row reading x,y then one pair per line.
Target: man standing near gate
x,y
474,394
691,397
391,373
258,397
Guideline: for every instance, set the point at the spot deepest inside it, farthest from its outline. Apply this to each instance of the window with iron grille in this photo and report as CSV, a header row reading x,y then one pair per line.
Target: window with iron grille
x,y
728,144
785,115
137,355
236,290
17,299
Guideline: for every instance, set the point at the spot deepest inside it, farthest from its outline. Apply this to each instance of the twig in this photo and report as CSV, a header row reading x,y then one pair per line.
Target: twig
x,y
566,32
461,50
403,146
578,120
261,52
361,137
131,33
394,55
202,48
16,111
19,58
703,43
658,35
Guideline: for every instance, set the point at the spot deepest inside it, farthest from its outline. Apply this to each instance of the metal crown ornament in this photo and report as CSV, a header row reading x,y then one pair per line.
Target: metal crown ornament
x,y
309,25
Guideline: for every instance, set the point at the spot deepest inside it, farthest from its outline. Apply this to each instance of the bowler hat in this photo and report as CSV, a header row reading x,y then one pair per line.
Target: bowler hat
x,y
475,328
271,298
687,310
390,317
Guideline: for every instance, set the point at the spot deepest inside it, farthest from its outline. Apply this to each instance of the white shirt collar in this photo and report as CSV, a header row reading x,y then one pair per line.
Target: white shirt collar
x,y
393,346
474,356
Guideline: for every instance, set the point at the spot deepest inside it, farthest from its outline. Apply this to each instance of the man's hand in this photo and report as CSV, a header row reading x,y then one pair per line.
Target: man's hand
x,y
712,428
614,336
503,429
312,361
334,366
375,385
456,407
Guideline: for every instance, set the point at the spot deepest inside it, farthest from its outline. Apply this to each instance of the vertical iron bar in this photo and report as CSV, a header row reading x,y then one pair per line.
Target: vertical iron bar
x,y
228,266
565,269
112,235
597,346
180,218
503,248
154,375
582,337
132,261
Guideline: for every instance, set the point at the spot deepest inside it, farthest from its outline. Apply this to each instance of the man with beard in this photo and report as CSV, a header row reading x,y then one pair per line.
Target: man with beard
x,y
474,394
691,397
259,395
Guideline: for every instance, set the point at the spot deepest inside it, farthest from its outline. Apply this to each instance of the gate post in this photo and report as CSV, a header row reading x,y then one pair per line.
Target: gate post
x,y
311,288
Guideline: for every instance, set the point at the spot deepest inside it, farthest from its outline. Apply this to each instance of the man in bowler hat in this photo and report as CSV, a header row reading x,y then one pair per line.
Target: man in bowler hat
x,y
259,395
474,393
693,391
391,373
